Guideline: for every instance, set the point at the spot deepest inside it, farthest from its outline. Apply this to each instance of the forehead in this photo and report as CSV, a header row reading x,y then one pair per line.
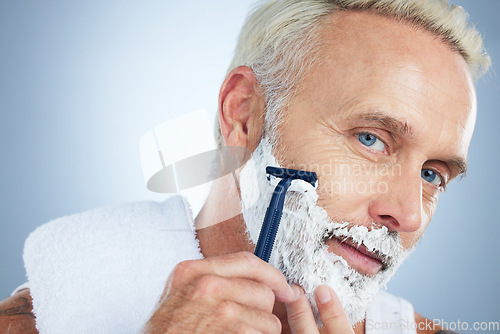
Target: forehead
x,y
371,61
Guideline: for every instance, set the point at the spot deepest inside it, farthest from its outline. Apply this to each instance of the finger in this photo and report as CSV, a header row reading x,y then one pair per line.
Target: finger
x,y
299,314
243,291
331,311
247,265
240,265
231,313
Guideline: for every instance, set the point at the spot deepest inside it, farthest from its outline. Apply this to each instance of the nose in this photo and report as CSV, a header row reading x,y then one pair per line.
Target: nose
x,y
399,208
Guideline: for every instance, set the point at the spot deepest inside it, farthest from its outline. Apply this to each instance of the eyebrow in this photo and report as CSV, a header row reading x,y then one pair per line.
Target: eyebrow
x,y
403,128
458,163
389,122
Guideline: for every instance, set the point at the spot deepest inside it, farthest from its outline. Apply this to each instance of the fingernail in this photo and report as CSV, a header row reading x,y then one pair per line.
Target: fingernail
x,y
323,294
297,291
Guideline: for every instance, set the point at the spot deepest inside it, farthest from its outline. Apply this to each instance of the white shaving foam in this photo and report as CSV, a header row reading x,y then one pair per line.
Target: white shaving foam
x,y
300,252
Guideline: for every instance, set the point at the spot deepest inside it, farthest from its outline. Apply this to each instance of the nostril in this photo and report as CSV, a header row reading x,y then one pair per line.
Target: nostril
x,y
389,219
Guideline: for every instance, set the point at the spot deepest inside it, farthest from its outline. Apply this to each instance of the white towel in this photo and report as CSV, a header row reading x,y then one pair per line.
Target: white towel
x,y
103,271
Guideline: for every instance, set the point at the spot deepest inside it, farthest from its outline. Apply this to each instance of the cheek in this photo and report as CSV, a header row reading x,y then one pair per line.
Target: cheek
x,y
410,239
346,180
348,187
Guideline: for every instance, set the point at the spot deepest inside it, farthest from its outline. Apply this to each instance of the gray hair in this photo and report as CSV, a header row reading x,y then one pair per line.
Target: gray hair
x,y
278,40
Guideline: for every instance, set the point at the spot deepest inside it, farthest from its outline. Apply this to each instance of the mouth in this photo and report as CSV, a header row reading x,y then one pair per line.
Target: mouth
x,y
357,256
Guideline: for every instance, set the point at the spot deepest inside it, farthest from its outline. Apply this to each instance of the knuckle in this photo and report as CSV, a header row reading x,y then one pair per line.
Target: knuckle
x,y
206,286
269,294
334,317
182,271
250,258
226,310
268,297
297,316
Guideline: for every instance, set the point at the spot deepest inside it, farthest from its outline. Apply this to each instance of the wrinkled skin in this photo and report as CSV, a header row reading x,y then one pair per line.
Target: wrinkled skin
x,y
377,76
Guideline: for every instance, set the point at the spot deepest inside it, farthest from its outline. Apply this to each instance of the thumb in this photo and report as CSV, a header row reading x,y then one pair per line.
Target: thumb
x,y
332,313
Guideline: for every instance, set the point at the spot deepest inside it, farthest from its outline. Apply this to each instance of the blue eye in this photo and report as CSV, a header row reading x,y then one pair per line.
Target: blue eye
x,y
432,177
371,141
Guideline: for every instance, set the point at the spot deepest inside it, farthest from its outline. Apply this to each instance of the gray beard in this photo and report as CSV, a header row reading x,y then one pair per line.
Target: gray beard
x,y
300,252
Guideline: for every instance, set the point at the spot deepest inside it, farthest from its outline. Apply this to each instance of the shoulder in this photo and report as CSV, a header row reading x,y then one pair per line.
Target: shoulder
x,y
16,314
427,326
96,224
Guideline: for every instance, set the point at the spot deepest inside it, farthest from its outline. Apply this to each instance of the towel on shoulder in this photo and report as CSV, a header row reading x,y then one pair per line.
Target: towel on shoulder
x,y
103,271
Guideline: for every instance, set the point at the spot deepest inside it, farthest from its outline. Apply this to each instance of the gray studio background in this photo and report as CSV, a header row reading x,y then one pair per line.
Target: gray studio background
x,y
82,81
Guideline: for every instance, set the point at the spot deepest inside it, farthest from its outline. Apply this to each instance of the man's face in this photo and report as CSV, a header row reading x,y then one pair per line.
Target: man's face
x,y
385,119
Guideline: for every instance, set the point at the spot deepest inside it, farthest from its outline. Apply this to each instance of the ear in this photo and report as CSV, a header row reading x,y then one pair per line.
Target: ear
x,y
241,107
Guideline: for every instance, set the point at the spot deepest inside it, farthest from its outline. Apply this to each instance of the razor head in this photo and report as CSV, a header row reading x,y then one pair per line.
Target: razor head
x,y
293,174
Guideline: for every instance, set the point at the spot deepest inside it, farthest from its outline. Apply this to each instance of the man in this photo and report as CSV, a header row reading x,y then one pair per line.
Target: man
x,y
377,98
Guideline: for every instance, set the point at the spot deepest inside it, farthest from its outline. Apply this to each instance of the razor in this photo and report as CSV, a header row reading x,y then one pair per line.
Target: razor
x,y
275,209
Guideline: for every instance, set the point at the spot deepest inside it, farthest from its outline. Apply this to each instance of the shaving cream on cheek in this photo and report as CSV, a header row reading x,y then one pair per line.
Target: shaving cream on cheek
x,y
300,252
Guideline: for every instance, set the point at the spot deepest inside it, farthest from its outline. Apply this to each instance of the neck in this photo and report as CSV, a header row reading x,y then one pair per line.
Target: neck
x,y
222,238
220,225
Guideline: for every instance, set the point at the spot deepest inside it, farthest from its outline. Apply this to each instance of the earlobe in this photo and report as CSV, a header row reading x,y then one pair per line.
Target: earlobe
x,y
239,107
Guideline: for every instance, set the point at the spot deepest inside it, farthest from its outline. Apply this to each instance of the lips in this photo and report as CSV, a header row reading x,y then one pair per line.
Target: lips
x,y
357,256
363,250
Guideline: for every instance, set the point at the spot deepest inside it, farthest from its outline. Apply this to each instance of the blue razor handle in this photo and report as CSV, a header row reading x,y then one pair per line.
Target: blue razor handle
x,y
275,209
